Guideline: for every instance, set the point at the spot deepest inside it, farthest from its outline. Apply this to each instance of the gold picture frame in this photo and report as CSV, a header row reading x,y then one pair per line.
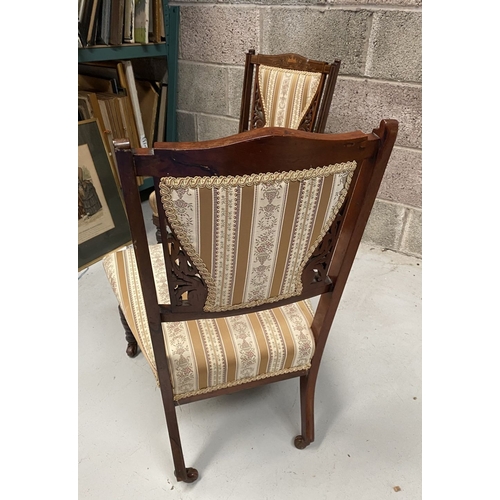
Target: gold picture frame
x,y
102,222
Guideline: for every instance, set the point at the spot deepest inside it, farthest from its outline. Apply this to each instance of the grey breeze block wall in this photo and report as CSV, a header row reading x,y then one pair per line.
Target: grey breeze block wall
x,y
379,44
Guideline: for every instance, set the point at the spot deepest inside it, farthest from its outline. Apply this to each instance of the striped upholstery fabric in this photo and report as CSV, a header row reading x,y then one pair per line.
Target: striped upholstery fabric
x,y
286,95
205,355
251,236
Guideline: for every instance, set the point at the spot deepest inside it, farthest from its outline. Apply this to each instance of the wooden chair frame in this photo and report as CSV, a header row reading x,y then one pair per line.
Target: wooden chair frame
x,y
252,113
256,151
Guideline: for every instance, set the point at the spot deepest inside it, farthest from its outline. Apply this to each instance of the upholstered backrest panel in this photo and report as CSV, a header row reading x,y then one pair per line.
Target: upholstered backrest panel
x,y
286,95
251,236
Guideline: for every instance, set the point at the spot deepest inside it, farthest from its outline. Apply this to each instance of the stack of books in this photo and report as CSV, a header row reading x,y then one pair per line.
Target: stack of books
x,y
118,22
126,103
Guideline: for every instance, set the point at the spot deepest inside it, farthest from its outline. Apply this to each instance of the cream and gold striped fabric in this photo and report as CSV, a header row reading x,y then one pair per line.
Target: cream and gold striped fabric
x,y
251,236
205,355
286,95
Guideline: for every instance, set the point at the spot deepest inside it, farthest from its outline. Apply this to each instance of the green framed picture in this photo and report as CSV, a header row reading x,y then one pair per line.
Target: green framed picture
x,y
102,221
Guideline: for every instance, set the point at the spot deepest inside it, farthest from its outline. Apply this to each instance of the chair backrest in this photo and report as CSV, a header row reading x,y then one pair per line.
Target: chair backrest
x,y
250,236
259,219
286,90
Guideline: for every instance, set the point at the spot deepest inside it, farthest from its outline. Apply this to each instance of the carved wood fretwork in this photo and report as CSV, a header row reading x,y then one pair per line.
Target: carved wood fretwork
x,y
258,116
307,122
316,270
187,288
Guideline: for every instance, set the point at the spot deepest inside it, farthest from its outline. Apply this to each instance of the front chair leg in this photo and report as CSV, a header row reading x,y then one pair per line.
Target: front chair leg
x,y
132,347
307,388
189,474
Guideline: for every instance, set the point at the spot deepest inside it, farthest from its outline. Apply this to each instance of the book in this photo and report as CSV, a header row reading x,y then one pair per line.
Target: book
x,y
84,106
104,70
116,22
95,84
132,92
107,130
152,15
109,114
124,124
84,14
92,30
148,102
96,29
83,113
81,9
104,25
162,114
162,24
128,22
141,22
156,22
104,125
127,122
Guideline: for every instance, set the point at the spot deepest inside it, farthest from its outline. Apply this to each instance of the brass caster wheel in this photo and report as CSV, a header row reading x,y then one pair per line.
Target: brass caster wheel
x,y
191,475
300,442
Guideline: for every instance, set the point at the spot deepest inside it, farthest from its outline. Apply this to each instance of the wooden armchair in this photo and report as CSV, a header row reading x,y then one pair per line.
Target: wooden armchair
x,y
261,221
283,90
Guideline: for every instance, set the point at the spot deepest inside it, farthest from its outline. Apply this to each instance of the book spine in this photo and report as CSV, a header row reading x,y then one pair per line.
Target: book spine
x,y
141,23
129,22
132,90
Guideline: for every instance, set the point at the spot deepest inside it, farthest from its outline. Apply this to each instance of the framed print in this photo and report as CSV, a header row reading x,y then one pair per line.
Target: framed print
x,y
102,222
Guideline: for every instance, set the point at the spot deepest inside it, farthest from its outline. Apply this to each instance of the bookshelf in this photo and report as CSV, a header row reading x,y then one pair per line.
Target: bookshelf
x,y
167,49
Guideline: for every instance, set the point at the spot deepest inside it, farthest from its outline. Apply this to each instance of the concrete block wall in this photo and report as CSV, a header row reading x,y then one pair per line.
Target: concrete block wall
x,y
379,43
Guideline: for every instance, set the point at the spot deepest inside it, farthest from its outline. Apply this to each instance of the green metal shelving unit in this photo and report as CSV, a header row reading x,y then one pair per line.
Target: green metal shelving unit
x,y
168,49
112,52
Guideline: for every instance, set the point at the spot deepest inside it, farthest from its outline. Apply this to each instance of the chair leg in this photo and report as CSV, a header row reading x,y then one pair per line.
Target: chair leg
x,y
307,388
156,222
132,347
189,474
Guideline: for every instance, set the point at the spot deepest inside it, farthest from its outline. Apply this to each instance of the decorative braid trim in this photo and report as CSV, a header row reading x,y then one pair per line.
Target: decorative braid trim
x,y
167,184
253,179
242,381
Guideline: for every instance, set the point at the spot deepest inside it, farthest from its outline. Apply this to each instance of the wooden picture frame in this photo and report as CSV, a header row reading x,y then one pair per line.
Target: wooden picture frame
x,y
102,222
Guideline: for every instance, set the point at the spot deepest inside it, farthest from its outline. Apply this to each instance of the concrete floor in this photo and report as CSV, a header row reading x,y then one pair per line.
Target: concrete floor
x,y
368,406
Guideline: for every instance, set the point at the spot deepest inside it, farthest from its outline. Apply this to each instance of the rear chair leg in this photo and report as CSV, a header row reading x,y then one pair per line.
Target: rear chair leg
x,y
132,347
156,222
307,388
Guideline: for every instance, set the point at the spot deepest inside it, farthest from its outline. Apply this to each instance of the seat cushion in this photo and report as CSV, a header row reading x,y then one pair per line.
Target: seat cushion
x,y
211,354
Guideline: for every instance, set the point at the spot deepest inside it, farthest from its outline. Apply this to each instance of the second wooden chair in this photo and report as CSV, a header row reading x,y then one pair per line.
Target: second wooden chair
x,y
283,90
